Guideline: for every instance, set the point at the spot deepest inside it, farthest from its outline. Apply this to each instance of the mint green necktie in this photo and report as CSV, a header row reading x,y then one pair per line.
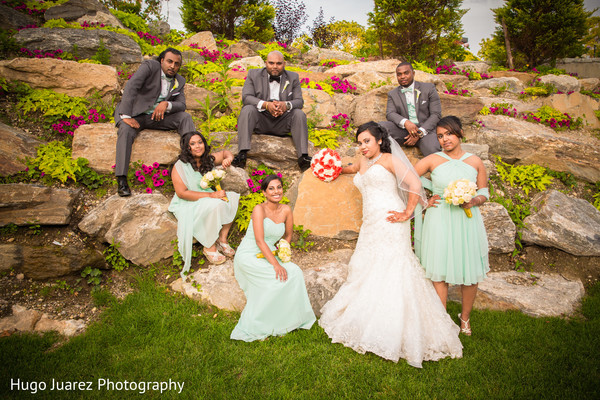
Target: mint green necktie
x,y
412,111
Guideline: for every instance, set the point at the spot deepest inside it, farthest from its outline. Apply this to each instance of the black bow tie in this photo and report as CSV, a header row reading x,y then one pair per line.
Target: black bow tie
x,y
274,78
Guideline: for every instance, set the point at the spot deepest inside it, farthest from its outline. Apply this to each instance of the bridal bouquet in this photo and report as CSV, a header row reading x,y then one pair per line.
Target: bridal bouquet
x,y
459,192
284,251
213,179
326,165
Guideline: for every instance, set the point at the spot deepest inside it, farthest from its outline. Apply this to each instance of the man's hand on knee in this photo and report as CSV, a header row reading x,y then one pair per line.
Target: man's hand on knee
x,y
160,111
131,122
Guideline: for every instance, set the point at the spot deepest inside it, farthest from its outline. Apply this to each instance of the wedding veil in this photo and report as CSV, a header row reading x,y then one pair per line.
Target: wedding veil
x,y
407,179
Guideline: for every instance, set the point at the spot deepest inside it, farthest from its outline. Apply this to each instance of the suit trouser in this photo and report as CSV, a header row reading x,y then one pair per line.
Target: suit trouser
x,y
181,121
253,121
428,144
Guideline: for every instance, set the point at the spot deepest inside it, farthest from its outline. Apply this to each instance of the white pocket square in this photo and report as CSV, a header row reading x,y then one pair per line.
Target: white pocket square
x,y
175,94
424,101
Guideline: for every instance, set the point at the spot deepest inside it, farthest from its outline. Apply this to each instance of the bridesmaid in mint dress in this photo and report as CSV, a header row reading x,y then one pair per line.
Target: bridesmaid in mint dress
x,y
453,248
276,298
203,214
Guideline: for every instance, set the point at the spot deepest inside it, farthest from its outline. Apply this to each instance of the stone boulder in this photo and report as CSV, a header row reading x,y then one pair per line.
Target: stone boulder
x,y
576,105
524,77
191,55
275,152
344,103
317,54
477,66
159,28
500,229
459,81
531,104
511,84
195,97
15,146
140,224
591,84
202,39
236,180
426,77
370,106
245,48
563,83
68,77
319,102
563,222
21,319
522,142
90,11
97,143
381,66
122,48
465,108
247,62
11,19
49,261
317,201
24,204
66,327
535,294
322,283
366,80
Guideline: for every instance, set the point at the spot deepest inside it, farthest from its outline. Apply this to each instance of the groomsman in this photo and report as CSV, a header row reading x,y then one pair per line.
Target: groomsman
x,y
153,99
413,110
272,99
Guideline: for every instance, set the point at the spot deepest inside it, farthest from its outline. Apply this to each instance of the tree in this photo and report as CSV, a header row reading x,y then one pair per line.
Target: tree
x,y
253,19
592,40
417,29
541,31
350,35
151,8
322,35
289,17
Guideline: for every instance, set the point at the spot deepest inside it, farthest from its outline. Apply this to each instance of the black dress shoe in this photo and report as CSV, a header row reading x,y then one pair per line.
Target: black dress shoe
x,y
239,160
123,188
304,162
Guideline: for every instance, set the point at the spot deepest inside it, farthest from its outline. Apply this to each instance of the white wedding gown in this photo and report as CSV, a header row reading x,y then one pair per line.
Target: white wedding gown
x,y
387,306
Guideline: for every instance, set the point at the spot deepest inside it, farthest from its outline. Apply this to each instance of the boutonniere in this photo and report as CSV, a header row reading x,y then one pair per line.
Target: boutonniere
x,y
176,85
286,84
418,92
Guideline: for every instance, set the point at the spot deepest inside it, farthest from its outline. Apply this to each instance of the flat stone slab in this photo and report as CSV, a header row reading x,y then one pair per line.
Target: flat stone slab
x,y
25,320
535,294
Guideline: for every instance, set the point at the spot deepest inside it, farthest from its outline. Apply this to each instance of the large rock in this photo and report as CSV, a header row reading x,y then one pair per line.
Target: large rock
x,y
90,11
366,80
66,327
591,84
195,98
24,204
538,295
122,48
567,223
319,103
426,77
522,142
317,54
97,143
11,19
247,62
524,77
465,108
140,224
510,84
459,81
563,83
159,28
382,66
49,261
322,283
68,77
576,105
245,48
202,39
21,319
331,209
15,145
236,180
500,229
370,106
477,66
275,152
531,104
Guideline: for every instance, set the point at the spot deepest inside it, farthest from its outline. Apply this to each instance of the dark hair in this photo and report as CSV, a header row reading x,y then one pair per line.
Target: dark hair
x,y
169,50
379,132
452,124
207,161
265,182
403,63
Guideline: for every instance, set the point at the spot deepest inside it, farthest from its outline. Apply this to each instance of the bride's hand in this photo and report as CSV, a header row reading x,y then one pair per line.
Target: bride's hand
x,y
398,216
433,200
280,273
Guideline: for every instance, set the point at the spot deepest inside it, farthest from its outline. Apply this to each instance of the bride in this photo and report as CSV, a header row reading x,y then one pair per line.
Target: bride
x,y
387,306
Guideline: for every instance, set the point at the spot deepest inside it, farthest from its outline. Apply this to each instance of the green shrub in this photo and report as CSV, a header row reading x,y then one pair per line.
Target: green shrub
x,y
324,138
54,106
245,207
131,21
525,176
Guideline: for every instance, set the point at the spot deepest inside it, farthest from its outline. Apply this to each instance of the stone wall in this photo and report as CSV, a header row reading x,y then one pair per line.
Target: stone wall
x,y
583,67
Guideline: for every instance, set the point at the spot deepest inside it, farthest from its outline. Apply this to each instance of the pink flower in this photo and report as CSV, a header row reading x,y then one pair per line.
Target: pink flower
x,y
165,172
149,190
141,178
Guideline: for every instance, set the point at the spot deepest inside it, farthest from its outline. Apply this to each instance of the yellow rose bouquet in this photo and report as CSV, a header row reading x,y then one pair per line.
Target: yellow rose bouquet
x,y
459,192
284,251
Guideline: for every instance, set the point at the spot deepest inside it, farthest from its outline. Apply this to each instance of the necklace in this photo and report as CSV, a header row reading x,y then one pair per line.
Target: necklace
x,y
373,160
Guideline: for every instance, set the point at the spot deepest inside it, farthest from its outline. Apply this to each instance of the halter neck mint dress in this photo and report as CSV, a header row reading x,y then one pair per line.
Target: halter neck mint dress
x,y
453,248
201,219
273,308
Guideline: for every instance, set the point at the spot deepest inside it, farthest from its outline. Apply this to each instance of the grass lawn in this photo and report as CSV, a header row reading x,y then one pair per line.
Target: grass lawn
x,y
155,335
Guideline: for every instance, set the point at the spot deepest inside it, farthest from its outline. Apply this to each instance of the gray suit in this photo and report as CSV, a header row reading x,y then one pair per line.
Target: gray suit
x,y
429,112
256,88
140,94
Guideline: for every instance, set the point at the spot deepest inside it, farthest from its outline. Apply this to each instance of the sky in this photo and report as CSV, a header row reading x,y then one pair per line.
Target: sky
x,y
478,22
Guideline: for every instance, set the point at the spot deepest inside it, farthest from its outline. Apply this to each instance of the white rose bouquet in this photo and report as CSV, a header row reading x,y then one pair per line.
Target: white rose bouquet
x,y
213,179
460,192
284,251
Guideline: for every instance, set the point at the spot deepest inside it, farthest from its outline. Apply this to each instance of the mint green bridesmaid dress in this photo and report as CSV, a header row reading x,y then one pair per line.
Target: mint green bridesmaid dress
x,y
273,308
453,248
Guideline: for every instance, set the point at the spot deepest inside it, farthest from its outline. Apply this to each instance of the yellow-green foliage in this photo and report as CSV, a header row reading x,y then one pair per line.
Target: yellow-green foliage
x,y
536,91
54,159
194,71
131,21
324,86
333,60
421,66
245,207
324,138
226,123
485,111
269,47
237,82
53,105
525,176
547,113
295,69
88,61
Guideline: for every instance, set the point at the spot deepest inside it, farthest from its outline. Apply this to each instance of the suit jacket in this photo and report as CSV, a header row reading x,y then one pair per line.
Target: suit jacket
x,y
427,104
142,90
256,88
